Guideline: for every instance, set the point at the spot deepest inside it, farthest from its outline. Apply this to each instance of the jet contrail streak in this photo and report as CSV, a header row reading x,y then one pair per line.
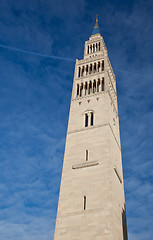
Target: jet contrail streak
x,y
54,57
35,53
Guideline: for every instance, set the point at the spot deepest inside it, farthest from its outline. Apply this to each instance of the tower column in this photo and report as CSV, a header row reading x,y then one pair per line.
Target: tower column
x,y
91,201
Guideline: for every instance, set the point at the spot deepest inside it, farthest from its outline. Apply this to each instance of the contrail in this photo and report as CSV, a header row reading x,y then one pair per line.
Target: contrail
x,y
35,53
55,57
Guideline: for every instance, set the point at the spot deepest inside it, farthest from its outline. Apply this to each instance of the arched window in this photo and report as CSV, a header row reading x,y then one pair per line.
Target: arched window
x,y
89,87
99,46
103,84
79,72
94,86
91,119
90,69
82,72
93,47
86,120
86,69
96,47
85,88
98,66
88,50
102,68
81,89
77,90
98,84
94,67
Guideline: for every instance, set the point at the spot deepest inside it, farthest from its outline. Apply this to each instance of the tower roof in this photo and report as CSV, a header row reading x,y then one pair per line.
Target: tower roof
x,y
96,27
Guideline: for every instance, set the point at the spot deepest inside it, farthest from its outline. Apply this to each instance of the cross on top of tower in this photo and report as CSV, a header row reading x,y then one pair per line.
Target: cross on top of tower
x,y
96,27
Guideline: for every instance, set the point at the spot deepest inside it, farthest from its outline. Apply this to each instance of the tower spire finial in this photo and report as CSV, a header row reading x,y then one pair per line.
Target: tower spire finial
x,y
96,25
97,18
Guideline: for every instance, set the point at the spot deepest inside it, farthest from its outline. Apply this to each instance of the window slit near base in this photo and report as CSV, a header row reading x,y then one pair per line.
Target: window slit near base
x,y
86,155
84,203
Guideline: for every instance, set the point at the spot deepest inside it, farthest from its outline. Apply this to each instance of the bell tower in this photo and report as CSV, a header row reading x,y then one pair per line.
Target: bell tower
x,y
91,201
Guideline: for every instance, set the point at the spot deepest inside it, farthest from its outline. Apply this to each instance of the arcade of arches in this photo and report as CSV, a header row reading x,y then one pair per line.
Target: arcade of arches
x,y
90,87
91,68
92,48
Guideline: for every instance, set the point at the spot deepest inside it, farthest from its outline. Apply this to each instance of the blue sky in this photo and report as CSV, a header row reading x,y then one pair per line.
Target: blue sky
x,y
35,96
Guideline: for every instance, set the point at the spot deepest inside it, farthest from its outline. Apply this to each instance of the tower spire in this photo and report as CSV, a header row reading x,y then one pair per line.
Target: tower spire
x,y
91,200
96,27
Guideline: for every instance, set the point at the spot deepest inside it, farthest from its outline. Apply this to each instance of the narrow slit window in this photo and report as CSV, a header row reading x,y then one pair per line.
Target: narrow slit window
x,y
99,46
98,66
94,86
86,120
79,72
82,72
81,90
89,87
96,47
103,85
94,67
98,84
103,65
93,47
90,48
77,90
86,69
91,123
85,92
87,155
84,202
90,69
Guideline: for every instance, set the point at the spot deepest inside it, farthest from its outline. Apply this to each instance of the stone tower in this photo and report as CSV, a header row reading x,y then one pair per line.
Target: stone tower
x,y
91,200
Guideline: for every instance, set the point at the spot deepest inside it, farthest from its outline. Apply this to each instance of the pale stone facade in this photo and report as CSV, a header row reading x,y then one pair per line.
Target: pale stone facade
x,y
91,200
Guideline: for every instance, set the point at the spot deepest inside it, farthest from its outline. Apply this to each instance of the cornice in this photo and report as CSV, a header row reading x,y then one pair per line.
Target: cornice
x,y
88,96
90,59
92,75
